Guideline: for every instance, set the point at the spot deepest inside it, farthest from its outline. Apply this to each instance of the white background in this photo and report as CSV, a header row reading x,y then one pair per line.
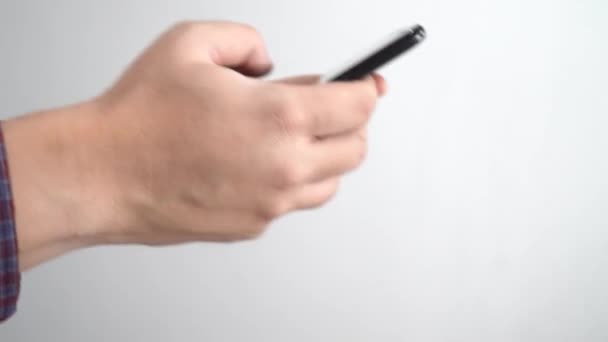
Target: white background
x,y
479,216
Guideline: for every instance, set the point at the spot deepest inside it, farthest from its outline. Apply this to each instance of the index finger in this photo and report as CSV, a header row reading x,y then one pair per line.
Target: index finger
x,y
337,107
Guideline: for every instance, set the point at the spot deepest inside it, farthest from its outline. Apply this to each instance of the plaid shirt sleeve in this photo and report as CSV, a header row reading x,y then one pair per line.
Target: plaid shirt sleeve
x,y
9,267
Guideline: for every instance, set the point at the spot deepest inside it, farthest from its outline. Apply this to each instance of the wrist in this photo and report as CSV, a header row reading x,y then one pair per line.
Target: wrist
x,y
57,197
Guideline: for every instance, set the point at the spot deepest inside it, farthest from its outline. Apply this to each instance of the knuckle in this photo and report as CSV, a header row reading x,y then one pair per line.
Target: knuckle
x,y
363,135
272,209
184,26
292,119
183,42
286,113
367,103
248,28
360,152
364,152
344,94
320,202
287,175
254,231
330,194
361,101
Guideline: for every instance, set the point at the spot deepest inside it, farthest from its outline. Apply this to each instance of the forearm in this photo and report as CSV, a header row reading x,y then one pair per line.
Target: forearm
x,y
52,194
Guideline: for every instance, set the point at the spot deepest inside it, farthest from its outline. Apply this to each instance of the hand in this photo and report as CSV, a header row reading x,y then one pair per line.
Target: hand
x,y
189,146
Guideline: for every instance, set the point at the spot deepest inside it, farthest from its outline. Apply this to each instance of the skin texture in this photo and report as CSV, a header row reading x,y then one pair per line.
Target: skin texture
x,y
188,145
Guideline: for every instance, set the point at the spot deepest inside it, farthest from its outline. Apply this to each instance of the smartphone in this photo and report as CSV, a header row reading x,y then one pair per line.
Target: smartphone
x,y
389,49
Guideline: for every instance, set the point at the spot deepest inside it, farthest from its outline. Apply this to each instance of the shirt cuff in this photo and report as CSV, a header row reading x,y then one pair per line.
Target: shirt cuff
x,y
10,277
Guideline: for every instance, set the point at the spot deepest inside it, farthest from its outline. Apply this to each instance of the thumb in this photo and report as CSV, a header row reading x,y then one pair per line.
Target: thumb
x,y
236,46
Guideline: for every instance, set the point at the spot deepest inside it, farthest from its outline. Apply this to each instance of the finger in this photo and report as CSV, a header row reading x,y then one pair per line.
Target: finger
x,y
362,133
300,80
314,195
381,84
338,107
337,155
234,45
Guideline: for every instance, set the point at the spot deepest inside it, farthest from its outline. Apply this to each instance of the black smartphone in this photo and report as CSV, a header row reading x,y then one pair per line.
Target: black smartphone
x,y
388,50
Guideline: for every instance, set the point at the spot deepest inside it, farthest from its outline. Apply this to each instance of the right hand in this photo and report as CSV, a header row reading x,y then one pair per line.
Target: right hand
x,y
187,147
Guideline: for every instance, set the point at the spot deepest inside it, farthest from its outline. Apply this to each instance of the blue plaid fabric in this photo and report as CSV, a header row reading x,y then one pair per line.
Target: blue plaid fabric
x,y
9,266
